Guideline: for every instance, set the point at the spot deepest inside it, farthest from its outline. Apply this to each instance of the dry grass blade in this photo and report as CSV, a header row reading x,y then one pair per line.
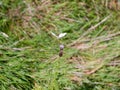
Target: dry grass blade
x,y
94,70
21,49
15,43
90,30
95,26
101,38
83,46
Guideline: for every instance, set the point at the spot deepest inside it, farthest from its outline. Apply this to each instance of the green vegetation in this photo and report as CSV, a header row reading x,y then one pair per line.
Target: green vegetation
x,y
29,53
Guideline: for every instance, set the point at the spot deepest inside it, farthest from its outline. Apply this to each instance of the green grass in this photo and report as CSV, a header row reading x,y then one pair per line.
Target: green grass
x,y
29,56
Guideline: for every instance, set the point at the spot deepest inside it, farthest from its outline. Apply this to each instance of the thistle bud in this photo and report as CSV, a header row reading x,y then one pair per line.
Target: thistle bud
x,y
61,50
61,47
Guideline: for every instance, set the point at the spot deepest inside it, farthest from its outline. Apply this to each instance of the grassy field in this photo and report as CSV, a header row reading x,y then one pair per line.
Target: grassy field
x,y
29,52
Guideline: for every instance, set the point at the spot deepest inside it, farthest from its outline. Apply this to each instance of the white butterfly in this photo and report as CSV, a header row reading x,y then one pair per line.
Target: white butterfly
x,y
59,36
4,34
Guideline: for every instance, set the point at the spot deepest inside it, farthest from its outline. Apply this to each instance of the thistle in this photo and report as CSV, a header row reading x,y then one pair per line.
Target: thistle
x,y
61,46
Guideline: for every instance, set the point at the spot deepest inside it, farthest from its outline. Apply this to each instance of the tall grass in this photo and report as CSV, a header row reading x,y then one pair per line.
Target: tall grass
x,y
29,53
